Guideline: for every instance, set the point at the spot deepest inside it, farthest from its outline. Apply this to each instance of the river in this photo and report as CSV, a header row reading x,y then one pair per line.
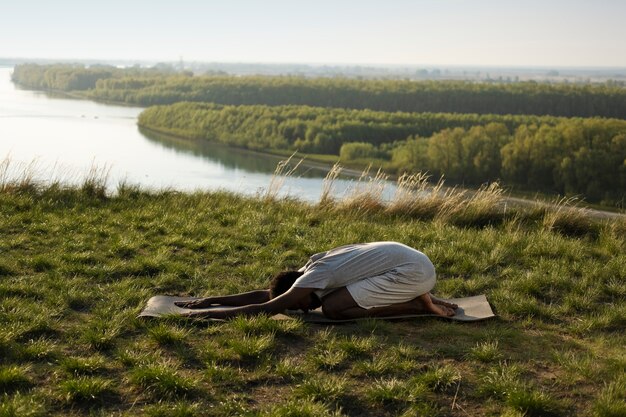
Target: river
x,y
63,139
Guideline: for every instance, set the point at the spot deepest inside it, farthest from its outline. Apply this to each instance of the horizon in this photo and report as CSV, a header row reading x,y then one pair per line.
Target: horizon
x,y
427,33
152,62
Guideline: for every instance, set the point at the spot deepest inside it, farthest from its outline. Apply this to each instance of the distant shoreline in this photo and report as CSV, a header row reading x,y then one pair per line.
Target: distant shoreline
x,y
416,72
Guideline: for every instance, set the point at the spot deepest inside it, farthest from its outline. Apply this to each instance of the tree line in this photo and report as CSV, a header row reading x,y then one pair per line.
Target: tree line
x,y
562,155
151,86
310,129
585,157
77,77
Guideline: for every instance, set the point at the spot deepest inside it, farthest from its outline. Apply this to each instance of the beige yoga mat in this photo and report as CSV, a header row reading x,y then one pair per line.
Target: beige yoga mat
x,y
470,309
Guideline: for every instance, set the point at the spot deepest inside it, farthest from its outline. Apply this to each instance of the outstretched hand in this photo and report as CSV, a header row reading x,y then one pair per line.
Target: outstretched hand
x,y
199,303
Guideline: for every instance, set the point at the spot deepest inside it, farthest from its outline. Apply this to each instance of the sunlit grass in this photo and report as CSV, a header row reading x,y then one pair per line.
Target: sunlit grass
x,y
396,394
167,335
22,405
501,380
327,388
611,401
163,380
289,369
532,402
440,378
177,409
284,170
14,378
488,351
251,347
86,390
84,366
265,324
366,195
302,408
77,267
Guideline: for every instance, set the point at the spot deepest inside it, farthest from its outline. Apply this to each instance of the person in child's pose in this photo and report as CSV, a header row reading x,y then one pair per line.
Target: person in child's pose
x,y
360,280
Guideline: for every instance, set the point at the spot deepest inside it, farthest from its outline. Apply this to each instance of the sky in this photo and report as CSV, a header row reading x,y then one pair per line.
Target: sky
x,y
520,33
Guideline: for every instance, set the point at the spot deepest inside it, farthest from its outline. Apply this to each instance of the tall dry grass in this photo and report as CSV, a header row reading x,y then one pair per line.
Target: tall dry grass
x,y
483,207
416,196
284,170
565,216
328,189
366,195
96,180
18,177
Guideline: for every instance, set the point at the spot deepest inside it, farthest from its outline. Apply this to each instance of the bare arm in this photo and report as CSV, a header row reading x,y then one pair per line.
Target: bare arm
x,y
246,298
290,299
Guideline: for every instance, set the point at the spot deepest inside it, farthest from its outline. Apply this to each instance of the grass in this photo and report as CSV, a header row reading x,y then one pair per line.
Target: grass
x,y
396,394
440,377
251,347
303,408
162,380
284,169
14,378
328,388
612,399
486,351
178,409
77,264
532,402
86,390
20,405
166,335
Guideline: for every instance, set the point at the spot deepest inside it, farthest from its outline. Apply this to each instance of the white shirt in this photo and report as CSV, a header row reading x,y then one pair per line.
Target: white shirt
x,y
345,265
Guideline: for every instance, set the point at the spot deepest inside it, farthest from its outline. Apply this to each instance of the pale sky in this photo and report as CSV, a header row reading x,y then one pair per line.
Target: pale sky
x,y
550,33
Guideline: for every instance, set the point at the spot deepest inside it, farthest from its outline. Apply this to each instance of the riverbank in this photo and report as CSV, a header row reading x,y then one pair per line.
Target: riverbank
x,y
78,265
326,163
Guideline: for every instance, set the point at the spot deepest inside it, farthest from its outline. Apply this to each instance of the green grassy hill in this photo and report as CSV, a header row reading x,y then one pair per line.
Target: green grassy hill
x,y
76,266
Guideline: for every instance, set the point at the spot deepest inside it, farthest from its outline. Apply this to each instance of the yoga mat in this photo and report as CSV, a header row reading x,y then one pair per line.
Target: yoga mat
x,y
470,309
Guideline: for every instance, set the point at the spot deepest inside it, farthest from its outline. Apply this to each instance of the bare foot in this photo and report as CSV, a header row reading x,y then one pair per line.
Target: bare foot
x,y
442,302
438,307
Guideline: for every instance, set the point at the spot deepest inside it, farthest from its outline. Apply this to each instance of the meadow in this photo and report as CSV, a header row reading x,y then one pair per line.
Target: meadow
x,y
77,264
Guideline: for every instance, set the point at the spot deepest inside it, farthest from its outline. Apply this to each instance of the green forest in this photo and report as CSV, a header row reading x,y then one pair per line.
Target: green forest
x,y
151,86
555,138
559,155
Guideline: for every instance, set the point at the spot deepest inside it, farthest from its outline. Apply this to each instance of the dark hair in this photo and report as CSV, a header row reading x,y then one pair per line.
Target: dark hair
x,y
283,281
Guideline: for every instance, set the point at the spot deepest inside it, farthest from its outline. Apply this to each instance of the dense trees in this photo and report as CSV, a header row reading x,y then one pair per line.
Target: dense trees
x,y
149,87
77,77
586,157
60,77
573,156
408,96
358,150
311,129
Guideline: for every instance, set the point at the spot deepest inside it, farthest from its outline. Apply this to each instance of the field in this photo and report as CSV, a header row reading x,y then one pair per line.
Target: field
x,y
77,265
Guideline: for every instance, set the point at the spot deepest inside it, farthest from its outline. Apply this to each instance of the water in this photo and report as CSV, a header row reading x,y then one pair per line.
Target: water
x,y
61,139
